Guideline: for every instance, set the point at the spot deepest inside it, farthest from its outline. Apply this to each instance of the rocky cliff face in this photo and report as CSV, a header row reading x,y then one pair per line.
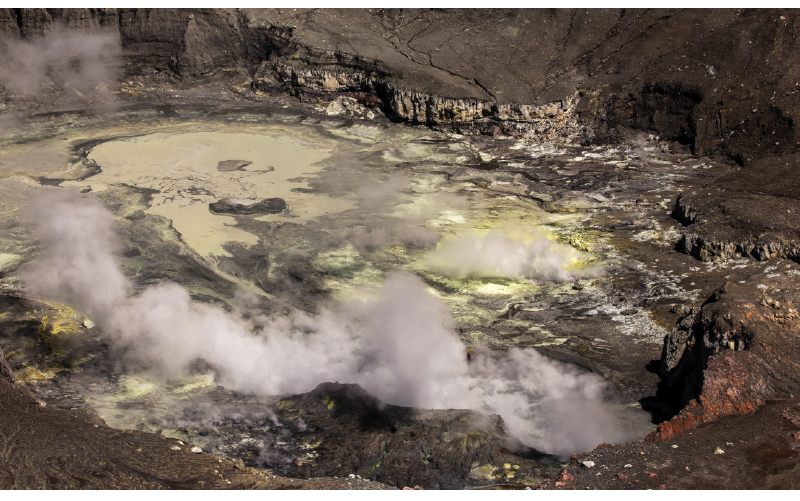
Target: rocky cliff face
x,y
723,224
319,73
722,81
730,355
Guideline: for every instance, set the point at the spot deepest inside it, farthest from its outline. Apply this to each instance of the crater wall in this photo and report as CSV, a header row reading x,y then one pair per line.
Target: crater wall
x,y
721,81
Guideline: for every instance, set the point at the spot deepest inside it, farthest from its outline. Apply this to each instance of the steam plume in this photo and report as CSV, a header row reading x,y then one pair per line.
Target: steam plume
x,y
77,262
528,255
64,59
382,227
400,345
373,195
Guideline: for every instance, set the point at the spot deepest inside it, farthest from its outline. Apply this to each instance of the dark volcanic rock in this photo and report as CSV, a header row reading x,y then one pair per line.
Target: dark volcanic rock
x,y
774,176
722,81
231,206
722,225
38,453
754,451
352,432
713,86
732,354
49,448
232,165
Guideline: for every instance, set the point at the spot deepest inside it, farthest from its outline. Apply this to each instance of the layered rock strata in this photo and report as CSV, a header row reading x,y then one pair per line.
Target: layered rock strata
x,y
727,86
329,73
723,225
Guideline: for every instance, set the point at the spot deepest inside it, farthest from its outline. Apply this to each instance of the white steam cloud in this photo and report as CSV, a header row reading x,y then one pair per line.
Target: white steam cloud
x,y
66,60
373,194
525,255
385,226
399,346
371,237
78,258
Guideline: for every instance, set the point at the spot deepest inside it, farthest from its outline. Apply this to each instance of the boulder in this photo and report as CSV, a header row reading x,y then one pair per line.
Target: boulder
x,y
236,206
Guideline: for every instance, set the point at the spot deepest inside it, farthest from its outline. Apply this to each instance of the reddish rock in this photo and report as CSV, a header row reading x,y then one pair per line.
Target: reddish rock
x,y
734,381
564,476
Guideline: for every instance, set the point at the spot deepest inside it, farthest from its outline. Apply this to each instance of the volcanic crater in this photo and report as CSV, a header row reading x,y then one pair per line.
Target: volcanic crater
x,y
373,249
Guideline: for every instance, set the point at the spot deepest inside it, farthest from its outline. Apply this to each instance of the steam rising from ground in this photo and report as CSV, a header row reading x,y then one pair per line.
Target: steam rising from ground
x,y
373,195
525,255
384,226
68,60
78,258
400,345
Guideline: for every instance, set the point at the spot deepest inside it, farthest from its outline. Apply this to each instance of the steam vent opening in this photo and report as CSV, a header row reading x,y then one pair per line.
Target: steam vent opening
x,y
320,270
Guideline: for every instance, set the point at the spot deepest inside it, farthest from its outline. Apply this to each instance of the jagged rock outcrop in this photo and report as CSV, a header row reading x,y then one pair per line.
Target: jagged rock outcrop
x,y
730,355
417,107
697,338
328,72
337,73
711,250
684,212
724,225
